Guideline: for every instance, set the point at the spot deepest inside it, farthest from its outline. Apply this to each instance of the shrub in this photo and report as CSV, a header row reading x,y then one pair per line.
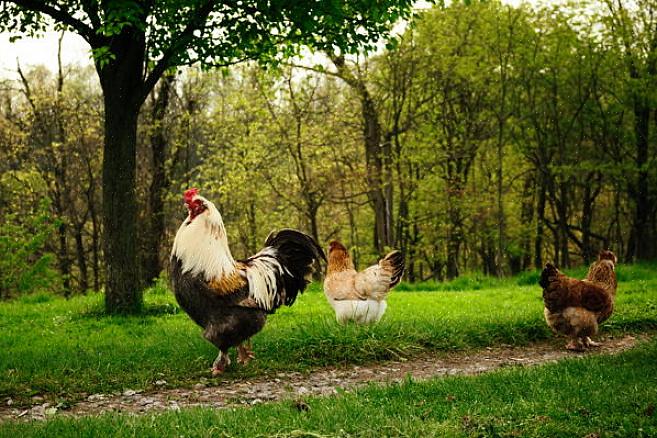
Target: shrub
x,y
25,265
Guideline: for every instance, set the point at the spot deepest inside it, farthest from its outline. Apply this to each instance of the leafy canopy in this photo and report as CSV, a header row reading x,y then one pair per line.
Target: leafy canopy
x,y
211,33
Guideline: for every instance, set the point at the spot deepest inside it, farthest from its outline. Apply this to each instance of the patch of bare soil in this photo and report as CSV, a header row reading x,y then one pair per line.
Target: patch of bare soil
x,y
324,381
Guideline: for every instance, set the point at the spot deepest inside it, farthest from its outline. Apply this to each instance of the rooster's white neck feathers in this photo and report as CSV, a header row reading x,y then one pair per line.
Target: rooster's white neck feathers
x,y
202,246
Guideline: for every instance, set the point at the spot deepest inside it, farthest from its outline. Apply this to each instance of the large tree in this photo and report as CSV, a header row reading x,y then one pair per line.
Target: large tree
x,y
632,31
135,42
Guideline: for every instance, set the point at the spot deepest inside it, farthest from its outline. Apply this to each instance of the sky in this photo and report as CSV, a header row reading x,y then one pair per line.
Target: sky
x,y
41,51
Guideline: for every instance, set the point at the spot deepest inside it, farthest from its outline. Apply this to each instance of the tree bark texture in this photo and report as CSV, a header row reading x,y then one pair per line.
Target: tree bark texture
x,y
156,226
121,81
642,243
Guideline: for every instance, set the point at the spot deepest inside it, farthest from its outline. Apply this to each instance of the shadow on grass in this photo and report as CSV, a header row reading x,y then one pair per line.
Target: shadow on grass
x,y
148,310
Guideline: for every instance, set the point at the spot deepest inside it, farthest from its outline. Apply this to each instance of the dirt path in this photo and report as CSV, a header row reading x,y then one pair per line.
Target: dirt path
x,y
320,382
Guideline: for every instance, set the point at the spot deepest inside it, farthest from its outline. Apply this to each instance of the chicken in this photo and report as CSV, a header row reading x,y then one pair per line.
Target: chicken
x,y
230,299
575,308
360,296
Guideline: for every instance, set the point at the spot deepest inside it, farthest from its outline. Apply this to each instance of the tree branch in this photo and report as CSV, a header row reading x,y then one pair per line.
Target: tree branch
x,y
26,86
58,15
196,21
314,69
91,8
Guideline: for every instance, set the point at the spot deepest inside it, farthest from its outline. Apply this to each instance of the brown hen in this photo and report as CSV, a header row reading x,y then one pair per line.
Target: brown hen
x,y
575,308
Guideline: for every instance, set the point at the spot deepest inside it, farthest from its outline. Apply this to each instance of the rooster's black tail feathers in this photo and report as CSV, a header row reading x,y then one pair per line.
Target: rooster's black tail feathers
x,y
297,253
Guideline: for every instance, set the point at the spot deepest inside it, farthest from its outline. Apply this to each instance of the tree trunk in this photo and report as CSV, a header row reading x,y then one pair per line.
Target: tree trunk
x,y
527,217
641,245
588,252
378,158
562,211
95,243
95,226
501,218
252,244
156,227
314,232
64,261
122,285
121,81
455,230
540,221
374,166
82,260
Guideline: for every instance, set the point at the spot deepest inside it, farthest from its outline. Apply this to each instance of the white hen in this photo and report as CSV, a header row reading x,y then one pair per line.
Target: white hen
x,y
360,296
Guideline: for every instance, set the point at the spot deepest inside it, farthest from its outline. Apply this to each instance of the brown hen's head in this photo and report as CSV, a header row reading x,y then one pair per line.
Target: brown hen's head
x,y
336,246
338,257
605,254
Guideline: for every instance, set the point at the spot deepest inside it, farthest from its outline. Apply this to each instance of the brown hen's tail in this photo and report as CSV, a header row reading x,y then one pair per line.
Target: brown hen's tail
x,y
394,261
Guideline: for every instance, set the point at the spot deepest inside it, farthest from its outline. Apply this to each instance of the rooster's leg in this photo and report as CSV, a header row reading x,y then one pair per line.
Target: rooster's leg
x,y
590,343
244,353
575,344
220,363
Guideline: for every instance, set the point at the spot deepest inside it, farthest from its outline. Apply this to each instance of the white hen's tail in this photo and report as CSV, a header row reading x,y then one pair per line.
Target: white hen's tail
x,y
394,263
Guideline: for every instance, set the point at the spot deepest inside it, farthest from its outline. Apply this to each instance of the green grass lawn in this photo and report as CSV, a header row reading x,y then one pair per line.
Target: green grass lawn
x,y
599,395
63,349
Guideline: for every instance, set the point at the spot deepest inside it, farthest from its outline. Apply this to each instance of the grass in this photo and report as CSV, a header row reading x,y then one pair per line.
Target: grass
x,y
64,350
594,396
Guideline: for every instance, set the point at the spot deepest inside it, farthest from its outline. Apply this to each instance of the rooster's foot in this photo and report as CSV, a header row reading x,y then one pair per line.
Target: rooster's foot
x,y
590,343
244,354
575,345
220,363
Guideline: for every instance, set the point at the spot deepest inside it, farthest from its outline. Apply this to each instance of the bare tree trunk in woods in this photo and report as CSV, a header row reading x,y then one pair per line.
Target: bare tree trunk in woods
x,y
82,258
378,158
60,175
375,173
591,191
455,229
156,226
253,228
540,220
642,244
501,218
95,228
562,212
64,260
527,216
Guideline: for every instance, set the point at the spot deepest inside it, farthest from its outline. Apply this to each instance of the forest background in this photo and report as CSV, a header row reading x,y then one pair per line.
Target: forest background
x,y
487,137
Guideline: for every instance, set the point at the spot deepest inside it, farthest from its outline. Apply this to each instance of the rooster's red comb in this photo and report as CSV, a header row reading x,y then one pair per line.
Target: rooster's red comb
x,y
189,194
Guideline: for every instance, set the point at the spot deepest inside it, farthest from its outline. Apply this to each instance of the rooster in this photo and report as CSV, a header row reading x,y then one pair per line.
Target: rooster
x,y
574,307
360,296
229,298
